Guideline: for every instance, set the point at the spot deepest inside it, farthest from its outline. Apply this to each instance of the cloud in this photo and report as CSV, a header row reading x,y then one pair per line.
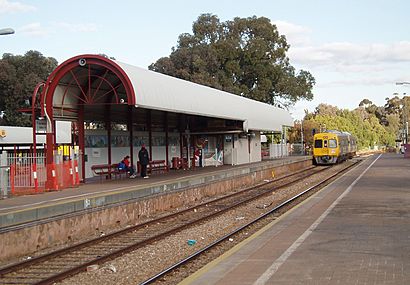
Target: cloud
x,y
370,81
350,56
346,71
76,28
14,7
34,29
341,56
295,34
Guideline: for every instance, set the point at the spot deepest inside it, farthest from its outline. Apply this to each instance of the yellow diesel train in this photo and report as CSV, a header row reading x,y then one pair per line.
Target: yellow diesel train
x,y
333,147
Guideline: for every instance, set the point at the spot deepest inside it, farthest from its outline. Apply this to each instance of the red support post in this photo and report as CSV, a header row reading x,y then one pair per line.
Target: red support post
x,y
33,121
35,178
81,145
76,174
51,183
131,133
108,128
12,177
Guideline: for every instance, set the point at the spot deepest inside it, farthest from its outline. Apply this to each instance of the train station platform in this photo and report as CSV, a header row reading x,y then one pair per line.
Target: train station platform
x,y
97,195
354,231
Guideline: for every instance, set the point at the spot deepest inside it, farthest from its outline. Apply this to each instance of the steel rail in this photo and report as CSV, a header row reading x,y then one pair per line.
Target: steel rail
x,y
14,267
91,210
238,230
113,254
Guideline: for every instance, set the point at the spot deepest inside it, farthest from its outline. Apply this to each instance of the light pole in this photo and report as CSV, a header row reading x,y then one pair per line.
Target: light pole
x,y
301,136
6,31
404,111
406,122
405,129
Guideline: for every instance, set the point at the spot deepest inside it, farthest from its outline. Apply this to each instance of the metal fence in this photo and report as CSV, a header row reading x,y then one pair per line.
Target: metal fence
x,y
21,173
270,151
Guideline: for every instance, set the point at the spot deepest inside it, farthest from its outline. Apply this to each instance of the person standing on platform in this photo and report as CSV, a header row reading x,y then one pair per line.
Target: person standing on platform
x,y
144,160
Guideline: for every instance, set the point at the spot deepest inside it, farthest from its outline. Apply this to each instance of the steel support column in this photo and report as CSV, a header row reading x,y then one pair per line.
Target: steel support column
x,y
81,139
108,129
131,133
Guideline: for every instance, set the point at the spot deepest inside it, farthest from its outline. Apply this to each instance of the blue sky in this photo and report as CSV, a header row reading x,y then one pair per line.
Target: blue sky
x,y
354,49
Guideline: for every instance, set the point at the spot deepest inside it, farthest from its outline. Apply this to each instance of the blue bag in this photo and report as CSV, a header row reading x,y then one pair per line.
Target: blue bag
x,y
121,165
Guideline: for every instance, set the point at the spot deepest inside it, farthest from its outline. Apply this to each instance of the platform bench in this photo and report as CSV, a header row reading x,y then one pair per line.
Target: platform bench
x,y
157,165
108,170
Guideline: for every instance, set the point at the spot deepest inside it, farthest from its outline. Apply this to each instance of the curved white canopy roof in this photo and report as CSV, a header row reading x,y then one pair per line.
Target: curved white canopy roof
x,y
162,92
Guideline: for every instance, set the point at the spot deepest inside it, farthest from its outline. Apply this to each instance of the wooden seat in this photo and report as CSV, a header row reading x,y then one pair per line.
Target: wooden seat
x,y
155,166
108,171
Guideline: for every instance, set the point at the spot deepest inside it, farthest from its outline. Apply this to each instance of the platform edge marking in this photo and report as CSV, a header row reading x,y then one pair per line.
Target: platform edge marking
x,y
264,278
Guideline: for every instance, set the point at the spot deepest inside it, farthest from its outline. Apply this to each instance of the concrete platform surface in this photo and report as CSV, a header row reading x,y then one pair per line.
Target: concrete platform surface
x,y
23,209
354,231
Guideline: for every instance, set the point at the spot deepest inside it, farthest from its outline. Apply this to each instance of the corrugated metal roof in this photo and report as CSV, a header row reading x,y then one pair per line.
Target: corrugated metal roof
x,y
162,92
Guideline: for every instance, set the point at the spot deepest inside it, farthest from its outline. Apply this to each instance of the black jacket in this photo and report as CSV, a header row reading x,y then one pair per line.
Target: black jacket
x,y
143,156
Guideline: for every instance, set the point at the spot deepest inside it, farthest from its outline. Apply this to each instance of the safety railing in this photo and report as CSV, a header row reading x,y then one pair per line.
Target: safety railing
x,y
27,174
24,173
278,151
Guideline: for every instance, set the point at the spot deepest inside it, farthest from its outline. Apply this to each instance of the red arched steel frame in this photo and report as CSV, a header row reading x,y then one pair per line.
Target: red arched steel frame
x,y
91,99
52,83
70,64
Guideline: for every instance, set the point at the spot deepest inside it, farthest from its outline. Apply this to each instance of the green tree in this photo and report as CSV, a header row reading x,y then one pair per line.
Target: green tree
x,y
397,113
18,77
245,56
325,109
379,112
365,126
393,105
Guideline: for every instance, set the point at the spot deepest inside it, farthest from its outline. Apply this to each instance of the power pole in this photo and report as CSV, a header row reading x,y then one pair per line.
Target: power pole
x,y
301,135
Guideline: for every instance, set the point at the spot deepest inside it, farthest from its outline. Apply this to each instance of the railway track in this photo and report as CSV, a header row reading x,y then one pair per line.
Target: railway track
x,y
271,213
63,263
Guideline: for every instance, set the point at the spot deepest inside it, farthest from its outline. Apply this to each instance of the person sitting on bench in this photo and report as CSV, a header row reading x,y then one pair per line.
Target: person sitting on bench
x,y
126,165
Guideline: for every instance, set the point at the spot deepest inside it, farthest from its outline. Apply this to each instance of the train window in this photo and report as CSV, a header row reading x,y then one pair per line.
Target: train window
x,y
318,143
332,143
325,143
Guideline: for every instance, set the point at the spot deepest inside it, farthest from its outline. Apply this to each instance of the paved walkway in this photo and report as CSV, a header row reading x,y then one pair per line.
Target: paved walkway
x,y
355,231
